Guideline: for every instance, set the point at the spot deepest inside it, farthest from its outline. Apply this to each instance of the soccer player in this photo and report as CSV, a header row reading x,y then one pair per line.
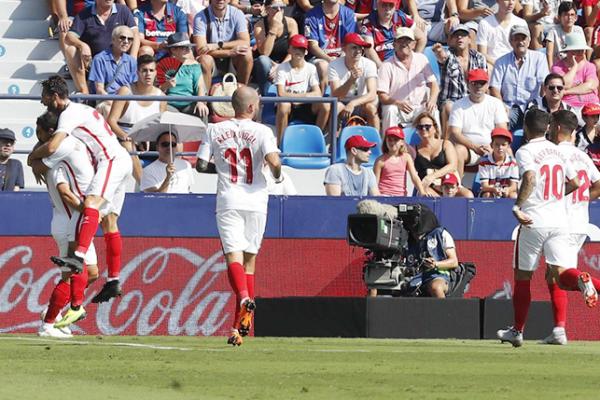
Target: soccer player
x,y
107,189
563,124
541,209
239,148
68,173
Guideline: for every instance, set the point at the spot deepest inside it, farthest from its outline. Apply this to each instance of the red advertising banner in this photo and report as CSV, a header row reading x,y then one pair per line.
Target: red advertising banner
x,y
177,286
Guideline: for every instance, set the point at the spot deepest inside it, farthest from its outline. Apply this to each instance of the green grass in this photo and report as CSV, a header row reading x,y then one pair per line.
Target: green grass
x,y
89,368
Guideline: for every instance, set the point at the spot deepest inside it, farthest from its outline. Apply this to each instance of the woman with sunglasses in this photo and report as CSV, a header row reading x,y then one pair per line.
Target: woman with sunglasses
x,y
435,158
272,33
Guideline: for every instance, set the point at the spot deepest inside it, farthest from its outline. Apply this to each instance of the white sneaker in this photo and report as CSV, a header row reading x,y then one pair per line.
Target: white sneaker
x,y
66,330
587,289
510,335
558,336
47,330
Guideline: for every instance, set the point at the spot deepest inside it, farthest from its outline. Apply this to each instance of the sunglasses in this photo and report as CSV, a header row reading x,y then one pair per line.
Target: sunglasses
x,y
424,127
8,143
558,88
363,148
167,144
478,83
126,38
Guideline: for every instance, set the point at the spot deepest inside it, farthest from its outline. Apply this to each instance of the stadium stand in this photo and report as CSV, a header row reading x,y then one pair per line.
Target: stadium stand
x,y
304,139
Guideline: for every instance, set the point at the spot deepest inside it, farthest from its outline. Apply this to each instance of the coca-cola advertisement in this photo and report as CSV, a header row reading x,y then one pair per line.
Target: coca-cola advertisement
x,y
178,286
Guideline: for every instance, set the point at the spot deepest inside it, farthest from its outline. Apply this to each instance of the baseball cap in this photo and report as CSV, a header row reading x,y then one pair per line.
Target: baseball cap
x,y
395,131
501,132
355,38
449,179
458,28
590,109
404,32
478,75
7,134
299,41
389,1
519,29
358,141
179,39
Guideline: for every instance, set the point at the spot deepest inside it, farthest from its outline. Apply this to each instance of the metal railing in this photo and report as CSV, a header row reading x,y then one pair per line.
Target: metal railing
x,y
209,99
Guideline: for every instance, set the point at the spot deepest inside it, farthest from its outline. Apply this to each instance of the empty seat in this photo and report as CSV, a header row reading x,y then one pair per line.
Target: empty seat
x,y
304,139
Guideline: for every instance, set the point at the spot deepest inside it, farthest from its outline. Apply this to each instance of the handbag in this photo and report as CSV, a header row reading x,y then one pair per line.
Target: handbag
x,y
223,111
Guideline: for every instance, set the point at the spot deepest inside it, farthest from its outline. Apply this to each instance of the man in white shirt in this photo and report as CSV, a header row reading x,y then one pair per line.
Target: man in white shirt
x,y
297,78
492,33
168,174
354,76
472,120
564,123
541,209
239,147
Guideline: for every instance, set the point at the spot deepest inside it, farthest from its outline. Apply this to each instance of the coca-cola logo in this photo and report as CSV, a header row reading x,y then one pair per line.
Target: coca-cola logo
x,y
171,291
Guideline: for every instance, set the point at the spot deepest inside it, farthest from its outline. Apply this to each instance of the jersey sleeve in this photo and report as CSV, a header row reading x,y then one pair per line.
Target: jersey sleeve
x,y
63,151
200,25
68,121
269,143
525,161
448,240
205,149
61,176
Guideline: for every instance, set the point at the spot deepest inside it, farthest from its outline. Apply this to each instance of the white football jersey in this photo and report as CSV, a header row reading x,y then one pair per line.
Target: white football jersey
x,y
54,177
578,201
87,125
547,203
239,148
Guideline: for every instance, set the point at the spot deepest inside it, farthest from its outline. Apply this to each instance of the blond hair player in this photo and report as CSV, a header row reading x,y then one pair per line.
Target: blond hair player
x,y
239,147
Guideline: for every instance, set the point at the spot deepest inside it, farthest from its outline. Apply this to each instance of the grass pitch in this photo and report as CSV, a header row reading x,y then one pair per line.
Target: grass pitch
x,y
144,368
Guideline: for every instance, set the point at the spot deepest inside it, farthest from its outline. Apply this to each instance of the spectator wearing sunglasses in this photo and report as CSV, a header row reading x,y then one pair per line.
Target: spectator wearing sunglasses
x,y
168,174
553,92
272,35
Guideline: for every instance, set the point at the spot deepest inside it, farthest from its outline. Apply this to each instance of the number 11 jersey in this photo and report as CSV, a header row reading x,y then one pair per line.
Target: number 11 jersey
x,y
239,148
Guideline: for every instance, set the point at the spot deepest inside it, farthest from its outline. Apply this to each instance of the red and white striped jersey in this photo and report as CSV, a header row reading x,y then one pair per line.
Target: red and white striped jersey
x,y
87,125
239,148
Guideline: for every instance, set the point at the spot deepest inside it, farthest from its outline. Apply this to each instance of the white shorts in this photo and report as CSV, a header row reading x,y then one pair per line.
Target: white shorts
x,y
63,231
576,240
241,230
474,158
110,182
533,242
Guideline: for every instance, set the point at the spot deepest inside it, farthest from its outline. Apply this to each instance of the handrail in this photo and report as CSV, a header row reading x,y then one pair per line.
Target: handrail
x,y
263,99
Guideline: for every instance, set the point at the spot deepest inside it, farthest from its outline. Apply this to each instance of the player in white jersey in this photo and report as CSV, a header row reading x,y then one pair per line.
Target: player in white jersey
x,y
561,131
239,148
113,167
68,173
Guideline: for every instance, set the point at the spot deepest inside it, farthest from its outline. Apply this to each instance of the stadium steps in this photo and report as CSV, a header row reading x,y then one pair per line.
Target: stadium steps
x,y
14,9
31,49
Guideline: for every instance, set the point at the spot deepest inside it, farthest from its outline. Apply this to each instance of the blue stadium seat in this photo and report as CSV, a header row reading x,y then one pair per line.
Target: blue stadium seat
x,y
304,139
476,187
369,133
268,111
433,61
411,137
517,140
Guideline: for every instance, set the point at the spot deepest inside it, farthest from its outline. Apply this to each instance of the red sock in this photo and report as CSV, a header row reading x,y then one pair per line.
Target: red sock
x,y
114,246
521,302
58,299
78,284
237,280
250,284
88,229
559,304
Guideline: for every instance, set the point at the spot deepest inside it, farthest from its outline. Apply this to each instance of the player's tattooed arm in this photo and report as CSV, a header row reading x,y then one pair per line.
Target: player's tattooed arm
x,y
205,167
527,186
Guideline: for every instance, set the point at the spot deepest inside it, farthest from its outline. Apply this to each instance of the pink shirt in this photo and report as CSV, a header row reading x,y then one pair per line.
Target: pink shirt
x,y
392,181
406,84
587,72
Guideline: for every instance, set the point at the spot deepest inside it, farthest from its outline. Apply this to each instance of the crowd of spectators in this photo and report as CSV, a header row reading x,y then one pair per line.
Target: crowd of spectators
x,y
495,60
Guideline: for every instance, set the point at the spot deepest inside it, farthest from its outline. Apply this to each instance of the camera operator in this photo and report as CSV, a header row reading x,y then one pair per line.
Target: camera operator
x,y
431,249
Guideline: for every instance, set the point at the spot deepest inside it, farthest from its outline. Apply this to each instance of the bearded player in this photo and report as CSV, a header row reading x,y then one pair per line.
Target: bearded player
x,y
239,148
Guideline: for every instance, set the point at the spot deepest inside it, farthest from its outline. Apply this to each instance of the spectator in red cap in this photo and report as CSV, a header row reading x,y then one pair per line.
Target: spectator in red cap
x,y
498,170
406,84
325,27
297,78
588,134
354,77
351,178
391,167
379,29
272,33
450,185
472,119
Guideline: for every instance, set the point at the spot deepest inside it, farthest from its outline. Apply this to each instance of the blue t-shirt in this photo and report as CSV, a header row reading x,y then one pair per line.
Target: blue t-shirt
x,y
104,67
98,36
154,30
226,30
314,26
11,175
352,184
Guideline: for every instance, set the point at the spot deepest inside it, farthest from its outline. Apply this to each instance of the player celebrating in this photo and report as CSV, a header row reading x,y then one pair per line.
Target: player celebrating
x,y
68,173
239,148
562,126
113,167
